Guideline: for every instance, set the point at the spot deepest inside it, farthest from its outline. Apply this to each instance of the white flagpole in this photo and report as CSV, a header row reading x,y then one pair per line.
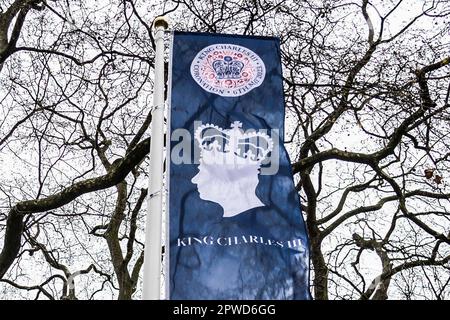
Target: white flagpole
x,y
152,252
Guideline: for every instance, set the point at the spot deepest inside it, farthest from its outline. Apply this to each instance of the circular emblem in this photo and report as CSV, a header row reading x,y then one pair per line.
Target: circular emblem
x,y
228,70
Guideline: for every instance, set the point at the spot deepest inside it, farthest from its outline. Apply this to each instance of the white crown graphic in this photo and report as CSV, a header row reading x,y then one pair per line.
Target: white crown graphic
x,y
232,146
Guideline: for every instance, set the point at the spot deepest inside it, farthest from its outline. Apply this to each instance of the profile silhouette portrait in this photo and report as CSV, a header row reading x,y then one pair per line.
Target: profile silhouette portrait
x,y
229,166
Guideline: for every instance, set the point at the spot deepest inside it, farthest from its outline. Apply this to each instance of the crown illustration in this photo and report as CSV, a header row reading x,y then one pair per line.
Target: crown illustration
x,y
227,68
232,146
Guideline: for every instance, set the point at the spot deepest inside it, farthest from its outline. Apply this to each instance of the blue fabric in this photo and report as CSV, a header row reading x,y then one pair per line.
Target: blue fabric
x,y
256,257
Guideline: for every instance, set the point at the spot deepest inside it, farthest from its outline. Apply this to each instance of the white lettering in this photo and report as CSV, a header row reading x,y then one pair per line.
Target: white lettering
x,y
238,240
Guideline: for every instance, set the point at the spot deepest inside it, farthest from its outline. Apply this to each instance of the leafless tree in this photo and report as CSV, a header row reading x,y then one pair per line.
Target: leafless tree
x,y
367,89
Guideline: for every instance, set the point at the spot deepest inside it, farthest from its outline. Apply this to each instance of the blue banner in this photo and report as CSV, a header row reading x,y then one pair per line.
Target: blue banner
x,y
235,224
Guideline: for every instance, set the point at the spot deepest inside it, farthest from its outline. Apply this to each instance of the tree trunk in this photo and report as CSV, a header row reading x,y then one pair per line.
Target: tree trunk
x,y
320,282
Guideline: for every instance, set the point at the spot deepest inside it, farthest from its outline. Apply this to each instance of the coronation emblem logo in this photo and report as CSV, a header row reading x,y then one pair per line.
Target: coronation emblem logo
x,y
228,70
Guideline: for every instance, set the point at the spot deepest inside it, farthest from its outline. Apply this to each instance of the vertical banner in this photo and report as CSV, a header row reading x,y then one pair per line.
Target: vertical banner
x,y
235,225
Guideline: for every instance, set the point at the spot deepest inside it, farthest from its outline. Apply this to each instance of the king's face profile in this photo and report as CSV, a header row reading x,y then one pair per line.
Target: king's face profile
x,y
226,175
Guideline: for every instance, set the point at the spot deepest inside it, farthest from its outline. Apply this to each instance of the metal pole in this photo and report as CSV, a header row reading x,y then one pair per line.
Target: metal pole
x,y
152,251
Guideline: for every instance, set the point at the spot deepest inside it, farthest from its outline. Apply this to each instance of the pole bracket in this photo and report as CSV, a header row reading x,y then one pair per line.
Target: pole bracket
x,y
157,107
157,193
154,194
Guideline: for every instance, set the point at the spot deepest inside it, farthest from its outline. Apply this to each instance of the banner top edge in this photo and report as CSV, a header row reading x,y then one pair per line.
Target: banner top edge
x,y
230,35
